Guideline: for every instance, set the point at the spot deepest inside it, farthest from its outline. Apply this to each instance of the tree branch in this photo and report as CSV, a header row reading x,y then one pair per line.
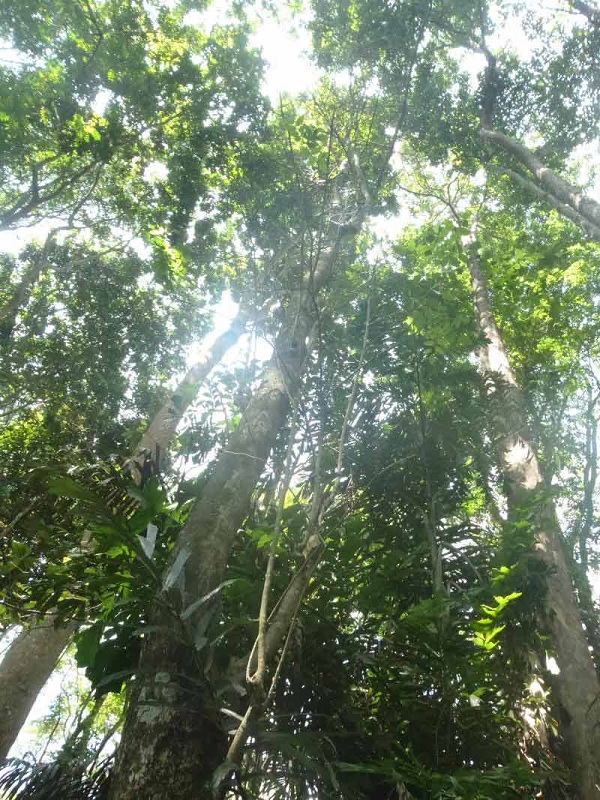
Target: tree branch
x,y
562,191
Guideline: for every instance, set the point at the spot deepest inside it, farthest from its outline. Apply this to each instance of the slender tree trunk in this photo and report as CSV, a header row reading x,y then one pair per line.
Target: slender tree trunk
x,y
158,437
583,532
590,477
33,655
588,10
429,512
24,670
22,291
75,746
577,684
557,191
8,313
172,741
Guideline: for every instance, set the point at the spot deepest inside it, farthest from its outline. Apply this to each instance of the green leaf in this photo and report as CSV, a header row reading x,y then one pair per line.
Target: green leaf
x,y
67,487
86,645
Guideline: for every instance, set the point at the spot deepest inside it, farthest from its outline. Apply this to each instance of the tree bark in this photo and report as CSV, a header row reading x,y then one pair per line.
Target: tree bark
x,y
24,670
528,498
33,655
560,190
564,210
158,437
588,10
172,741
22,291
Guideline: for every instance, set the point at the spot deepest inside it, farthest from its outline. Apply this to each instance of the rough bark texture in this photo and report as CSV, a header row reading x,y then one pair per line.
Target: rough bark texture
x,y
561,191
577,684
171,742
23,672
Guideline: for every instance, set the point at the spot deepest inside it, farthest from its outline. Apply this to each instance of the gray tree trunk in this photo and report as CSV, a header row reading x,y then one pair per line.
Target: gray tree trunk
x,y
24,670
160,434
32,657
22,291
172,740
588,10
577,684
558,192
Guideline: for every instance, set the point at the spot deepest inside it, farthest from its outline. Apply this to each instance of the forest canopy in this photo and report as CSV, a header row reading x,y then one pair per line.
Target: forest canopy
x,y
299,400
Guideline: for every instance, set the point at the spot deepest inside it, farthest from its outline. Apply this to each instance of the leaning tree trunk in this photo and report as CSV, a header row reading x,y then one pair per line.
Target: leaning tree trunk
x,y
26,667
528,497
160,434
33,655
22,291
547,185
172,741
588,10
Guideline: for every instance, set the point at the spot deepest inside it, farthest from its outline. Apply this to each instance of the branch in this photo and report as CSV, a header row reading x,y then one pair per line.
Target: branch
x,y
284,614
32,199
257,678
559,189
160,433
546,197
591,12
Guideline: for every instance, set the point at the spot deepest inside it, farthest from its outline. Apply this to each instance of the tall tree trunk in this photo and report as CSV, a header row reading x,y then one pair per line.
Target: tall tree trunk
x,y
577,684
24,670
33,655
172,741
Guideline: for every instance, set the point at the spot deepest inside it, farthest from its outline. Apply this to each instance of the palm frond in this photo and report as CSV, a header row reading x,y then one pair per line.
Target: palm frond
x,y
23,780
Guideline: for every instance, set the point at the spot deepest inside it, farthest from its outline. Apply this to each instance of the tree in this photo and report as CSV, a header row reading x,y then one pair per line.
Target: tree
x,y
384,550
197,566
91,172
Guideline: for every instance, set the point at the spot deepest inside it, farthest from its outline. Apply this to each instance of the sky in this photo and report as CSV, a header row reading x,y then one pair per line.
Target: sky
x,y
284,41
286,47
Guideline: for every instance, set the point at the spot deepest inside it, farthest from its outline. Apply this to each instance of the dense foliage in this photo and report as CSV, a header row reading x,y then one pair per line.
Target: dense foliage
x,y
382,624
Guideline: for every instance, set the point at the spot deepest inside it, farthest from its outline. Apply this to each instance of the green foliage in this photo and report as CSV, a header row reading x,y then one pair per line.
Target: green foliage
x,y
86,118
22,780
407,671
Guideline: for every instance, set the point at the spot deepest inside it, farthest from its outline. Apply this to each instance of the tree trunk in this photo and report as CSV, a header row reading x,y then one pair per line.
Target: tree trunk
x,y
172,741
24,670
22,291
38,648
528,498
564,210
584,528
587,211
158,437
588,10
